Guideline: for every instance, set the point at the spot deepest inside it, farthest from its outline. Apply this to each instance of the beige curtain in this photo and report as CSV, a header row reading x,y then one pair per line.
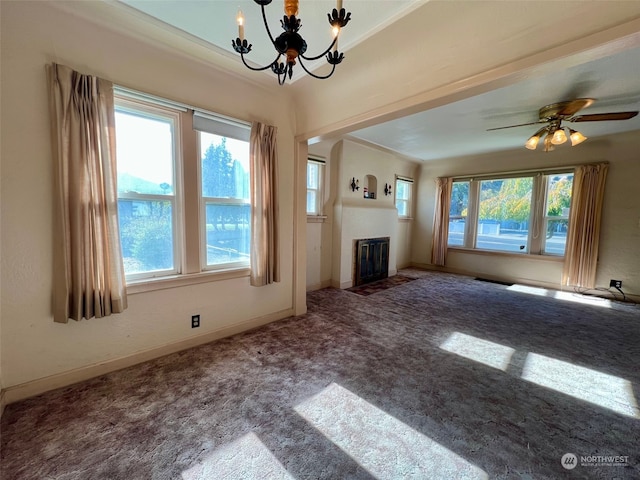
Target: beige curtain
x,y
441,221
265,255
88,271
583,237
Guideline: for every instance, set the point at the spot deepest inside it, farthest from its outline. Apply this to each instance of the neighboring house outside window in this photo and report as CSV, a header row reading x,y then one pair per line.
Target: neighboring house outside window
x,y
404,187
315,186
154,232
499,213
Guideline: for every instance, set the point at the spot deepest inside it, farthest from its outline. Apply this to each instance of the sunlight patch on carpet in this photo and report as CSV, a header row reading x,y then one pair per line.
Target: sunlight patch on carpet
x,y
568,296
608,391
380,443
246,457
479,350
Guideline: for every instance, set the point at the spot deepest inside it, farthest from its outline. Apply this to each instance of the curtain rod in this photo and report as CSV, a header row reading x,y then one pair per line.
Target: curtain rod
x,y
519,172
138,95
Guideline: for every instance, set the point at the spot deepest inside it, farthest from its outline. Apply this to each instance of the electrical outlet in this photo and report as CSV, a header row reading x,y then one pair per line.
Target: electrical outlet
x,y
615,283
195,321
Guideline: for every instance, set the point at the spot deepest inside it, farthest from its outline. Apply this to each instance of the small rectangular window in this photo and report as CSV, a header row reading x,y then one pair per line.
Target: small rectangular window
x,y
403,197
315,174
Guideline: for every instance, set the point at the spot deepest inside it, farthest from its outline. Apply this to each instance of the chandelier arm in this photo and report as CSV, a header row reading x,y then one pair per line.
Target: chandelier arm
x,y
317,76
266,26
335,39
257,69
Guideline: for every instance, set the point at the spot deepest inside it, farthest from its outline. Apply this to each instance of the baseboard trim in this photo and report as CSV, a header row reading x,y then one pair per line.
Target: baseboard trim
x,y
319,286
497,278
36,387
2,402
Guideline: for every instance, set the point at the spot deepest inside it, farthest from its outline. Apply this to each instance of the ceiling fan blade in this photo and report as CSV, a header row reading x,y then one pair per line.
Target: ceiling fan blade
x,y
598,117
512,126
574,106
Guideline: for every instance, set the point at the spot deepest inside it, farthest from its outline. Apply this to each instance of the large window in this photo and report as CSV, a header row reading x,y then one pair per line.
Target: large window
x,y
403,196
147,157
527,214
315,176
167,173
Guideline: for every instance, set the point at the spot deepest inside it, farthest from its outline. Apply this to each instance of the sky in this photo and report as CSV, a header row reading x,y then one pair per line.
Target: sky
x,y
144,147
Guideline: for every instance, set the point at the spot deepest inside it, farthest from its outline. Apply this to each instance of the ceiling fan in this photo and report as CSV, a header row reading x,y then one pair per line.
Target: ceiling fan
x,y
553,115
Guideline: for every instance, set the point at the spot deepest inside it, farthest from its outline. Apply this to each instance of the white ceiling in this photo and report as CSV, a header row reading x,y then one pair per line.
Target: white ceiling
x,y
460,128
215,23
447,131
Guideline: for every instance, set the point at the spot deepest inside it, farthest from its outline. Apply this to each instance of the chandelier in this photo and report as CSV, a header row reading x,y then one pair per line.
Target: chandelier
x,y
290,46
554,134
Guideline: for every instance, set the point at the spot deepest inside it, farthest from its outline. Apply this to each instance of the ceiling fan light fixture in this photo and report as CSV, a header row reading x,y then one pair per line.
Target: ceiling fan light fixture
x,y
548,143
559,137
532,143
576,137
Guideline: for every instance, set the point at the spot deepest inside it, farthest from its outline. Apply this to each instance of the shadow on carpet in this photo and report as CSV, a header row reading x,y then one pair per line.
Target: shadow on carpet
x,y
380,285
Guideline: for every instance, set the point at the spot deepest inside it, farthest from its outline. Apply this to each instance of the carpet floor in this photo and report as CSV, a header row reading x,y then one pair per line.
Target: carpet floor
x,y
443,377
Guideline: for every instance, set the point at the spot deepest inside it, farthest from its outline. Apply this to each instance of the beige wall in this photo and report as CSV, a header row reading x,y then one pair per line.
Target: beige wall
x,y
351,216
619,254
33,346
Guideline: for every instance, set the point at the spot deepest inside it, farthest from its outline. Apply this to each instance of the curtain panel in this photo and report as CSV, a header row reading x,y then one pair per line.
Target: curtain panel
x,y
441,221
583,237
265,254
89,276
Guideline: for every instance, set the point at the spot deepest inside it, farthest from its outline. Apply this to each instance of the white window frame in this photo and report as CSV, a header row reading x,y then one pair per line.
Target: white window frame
x,y
146,110
222,127
319,190
407,201
538,218
188,259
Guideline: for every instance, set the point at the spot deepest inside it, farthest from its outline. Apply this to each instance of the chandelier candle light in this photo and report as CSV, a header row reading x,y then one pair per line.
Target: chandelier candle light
x,y
289,45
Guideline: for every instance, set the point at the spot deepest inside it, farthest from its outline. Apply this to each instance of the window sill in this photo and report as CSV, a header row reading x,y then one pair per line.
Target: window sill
x,y
405,219
528,256
316,218
173,281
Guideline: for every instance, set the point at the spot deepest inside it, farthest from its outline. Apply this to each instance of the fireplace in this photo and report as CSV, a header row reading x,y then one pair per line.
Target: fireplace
x,y
371,260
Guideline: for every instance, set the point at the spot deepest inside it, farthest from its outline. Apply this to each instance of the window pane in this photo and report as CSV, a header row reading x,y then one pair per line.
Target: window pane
x,y
228,233
144,149
146,234
402,208
225,167
312,175
556,237
402,190
458,212
503,216
311,201
559,195
559,188
403,197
